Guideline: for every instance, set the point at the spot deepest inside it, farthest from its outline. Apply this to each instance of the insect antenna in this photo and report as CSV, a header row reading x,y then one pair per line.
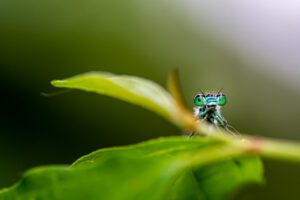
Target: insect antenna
x,y
202,92
220,90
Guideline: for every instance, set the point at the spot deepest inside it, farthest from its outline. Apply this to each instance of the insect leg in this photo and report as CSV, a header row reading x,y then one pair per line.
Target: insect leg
x,y
220,119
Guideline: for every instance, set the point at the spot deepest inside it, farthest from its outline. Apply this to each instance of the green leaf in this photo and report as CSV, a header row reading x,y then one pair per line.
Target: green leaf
x,y
139,91
174,168
218,180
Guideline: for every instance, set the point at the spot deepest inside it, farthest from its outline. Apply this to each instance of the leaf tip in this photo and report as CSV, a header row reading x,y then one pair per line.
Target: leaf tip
x,y
56,83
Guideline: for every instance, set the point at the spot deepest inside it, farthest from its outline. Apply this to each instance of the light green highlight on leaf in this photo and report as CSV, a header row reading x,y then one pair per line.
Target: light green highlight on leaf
x,y
139,91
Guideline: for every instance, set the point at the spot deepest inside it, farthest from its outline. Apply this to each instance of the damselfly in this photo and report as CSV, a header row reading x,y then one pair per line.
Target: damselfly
x,y
208,107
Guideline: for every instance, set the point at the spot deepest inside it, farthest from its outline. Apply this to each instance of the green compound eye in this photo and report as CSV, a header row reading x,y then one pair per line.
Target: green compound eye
x,y
199,100
222,100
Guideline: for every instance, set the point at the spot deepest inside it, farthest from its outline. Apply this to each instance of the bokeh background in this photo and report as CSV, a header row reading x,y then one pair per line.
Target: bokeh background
x,y
249,48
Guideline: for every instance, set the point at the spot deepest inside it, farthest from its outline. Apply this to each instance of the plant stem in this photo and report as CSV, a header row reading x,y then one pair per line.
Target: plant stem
x,y
276,149
265,147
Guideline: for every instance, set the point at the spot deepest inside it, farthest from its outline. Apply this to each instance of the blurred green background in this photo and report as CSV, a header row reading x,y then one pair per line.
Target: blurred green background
x,y
45,40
